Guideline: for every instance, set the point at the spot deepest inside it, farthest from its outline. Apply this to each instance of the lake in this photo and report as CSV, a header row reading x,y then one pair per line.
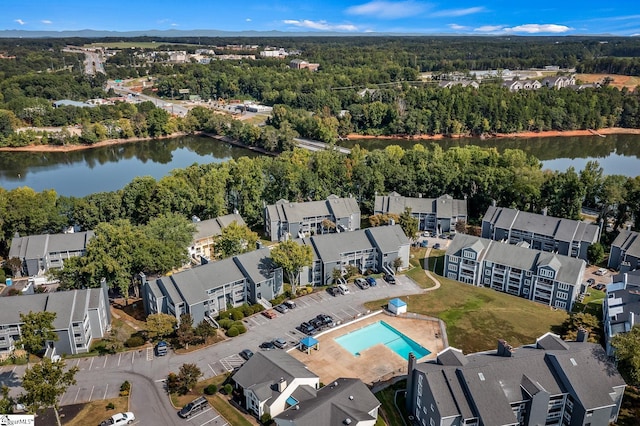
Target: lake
x,y
110,168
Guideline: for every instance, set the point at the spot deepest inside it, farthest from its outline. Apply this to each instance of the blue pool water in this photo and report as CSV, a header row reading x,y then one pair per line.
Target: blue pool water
x,y
381,332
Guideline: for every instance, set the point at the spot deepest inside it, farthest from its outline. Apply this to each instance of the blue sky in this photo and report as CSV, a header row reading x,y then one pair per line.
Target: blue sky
x,y
498,17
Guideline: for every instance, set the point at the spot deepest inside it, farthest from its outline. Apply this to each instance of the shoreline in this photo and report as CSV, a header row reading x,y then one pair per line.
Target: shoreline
x,y
520,135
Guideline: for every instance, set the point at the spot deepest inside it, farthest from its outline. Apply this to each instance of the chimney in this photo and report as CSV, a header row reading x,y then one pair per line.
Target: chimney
x,y
282,384
544,211
410,367
504,349
493,203
583,335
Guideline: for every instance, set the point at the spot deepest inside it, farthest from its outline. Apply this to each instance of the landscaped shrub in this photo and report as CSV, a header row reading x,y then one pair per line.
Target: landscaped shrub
x,y
134,342
233,331
237,315
246,310
211,389
110,406
228,388
257,308
225,323
125,388
241,328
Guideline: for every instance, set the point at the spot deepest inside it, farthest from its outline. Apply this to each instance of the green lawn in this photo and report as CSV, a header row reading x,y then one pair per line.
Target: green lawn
x,y
416,271
388,411
476,317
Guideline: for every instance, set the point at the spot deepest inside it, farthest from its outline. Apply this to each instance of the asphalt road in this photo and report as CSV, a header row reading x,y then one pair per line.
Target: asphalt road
x,y
100,377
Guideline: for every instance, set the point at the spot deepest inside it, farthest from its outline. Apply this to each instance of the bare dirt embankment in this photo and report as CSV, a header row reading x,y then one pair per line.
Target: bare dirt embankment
x,y
544,134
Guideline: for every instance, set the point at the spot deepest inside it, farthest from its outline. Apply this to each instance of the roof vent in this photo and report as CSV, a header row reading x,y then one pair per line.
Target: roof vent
x,y
347,421
335,383
351,397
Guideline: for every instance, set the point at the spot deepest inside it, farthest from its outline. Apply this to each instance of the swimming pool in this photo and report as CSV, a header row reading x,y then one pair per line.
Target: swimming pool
x,y
381,332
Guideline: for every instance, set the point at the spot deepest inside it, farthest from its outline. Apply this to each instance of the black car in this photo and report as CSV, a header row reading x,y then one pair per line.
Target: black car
x,y
326,319
246,354
436,246
307,328
317,323
390,278
267,346
333,291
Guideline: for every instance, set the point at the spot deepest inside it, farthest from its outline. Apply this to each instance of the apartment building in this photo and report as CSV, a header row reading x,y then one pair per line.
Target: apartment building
x,y
625,251
562,236
621,307
285,220
205,291
434,214
374,249
551,382
39,253
543,277
81,316
206,233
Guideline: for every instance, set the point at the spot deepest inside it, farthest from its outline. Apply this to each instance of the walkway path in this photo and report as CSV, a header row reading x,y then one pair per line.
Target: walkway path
x,y
429,274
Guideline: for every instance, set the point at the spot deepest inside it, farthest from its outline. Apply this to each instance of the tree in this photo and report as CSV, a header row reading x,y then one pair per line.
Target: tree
x,y
185,332
397,263
235,239
408,223
36,330
204,330
292,258
336,274
580,320
45,383
461,227
186,379
627,351
160,325
595,253
6,402
327,226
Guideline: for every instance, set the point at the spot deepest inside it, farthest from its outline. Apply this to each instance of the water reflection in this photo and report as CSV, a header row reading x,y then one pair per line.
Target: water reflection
x,y
109,168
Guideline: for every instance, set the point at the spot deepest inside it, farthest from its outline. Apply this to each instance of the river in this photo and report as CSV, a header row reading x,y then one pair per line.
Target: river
x,y
110,168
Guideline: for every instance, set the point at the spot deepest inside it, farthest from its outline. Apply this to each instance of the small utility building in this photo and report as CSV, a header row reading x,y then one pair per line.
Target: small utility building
x,y
397,306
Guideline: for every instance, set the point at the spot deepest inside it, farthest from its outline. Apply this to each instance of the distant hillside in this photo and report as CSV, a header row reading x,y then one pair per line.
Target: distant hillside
x,y
178,33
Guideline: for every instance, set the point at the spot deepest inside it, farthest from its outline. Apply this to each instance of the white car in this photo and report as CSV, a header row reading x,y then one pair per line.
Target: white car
x,y
119,419
343,289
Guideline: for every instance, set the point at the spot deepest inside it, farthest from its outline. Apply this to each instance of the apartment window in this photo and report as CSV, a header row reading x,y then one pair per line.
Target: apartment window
x,y
489,264
454,259
528,273
546,273
468,254
563,286
453,267
561,305
432,408
487,271
562,295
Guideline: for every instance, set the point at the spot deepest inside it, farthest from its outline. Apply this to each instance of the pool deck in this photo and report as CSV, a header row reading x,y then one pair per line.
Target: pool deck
x,y
374,364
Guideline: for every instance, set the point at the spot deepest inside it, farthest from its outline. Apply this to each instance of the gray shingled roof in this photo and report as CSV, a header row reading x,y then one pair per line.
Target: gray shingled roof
x,y
213,227
629,241
343,399
494,382
388,238
567,268
444,206
37,246
329,246
258,264
270,367
559,229
12,307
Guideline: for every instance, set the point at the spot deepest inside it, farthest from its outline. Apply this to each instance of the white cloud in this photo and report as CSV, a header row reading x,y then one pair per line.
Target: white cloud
x,y
388,9
174,25
320,25
538,28
20,21
458,27
459,12
248,20
46,22
489,28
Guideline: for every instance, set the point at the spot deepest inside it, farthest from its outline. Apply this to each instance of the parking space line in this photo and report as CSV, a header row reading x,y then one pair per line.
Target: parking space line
x,y
78,363
133,356
119,358
149,354
214,371
91,363
105,362
91,394
77,393
105,391
254,320
209,421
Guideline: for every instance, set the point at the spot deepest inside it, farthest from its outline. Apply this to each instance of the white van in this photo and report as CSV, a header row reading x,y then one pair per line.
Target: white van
x,y
343,289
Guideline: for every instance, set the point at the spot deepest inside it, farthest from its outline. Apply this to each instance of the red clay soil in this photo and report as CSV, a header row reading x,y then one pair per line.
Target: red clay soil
x,y
543,134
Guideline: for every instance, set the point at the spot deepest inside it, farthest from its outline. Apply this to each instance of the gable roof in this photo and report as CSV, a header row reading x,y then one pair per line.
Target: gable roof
x,y
345,398
494,382
285,211
268,368
213,227
38,246
444,206
629,241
